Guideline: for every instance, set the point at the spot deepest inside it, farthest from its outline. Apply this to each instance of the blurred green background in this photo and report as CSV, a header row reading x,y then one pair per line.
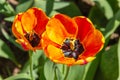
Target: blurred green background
x,y
14,61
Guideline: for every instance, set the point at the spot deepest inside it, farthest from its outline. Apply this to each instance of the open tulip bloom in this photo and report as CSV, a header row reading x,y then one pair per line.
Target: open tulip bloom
x,y
71,40
28,28
64,40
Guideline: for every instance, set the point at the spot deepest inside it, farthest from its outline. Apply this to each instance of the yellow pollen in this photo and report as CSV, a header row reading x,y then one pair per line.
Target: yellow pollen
x,y
72,44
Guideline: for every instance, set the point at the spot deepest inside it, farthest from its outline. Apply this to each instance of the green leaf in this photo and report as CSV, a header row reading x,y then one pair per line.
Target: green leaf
x,y
36,56
59,5
91,68
100,21
76,72
62,71
41,68
112,25
6,52
114,4
24,6
38,65
49,70
9,38
105,8
118,50
22,76
49,6
10,19
2,1
1,78
53,13
61,68
71,10
26,67
108,69
40,4
6,8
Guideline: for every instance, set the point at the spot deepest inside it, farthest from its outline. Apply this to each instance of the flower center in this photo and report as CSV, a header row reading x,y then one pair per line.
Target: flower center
x,y
33,39
72,48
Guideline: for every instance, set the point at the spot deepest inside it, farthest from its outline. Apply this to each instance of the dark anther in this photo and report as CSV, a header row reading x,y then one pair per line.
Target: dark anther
x,y
72,53
33,39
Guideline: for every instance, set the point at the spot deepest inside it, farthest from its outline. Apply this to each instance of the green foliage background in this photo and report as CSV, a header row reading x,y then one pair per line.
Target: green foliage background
x,y
105,14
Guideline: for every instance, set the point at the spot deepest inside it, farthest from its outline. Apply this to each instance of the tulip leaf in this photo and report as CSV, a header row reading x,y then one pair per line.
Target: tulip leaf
x,y
37,65
10,19
6,8
9,38
108,69
49,6
40,4
24,6
53,13
41,61
6,52
36,56
105,8
112,25
2,1
49,70
90,68
59,5
71,10
76,72
21,76
97,20
1,77
114,4
62,71
118,50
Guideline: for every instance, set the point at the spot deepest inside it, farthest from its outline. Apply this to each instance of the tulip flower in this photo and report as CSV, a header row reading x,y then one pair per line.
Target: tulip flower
x,y
71,40
28,27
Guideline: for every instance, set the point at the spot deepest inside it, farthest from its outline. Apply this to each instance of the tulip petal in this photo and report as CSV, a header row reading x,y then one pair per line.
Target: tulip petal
x,y
29,20
17,28
69,24
65,60
42,20
34,19
25,44
57,56
93,43
84,61
84,26
54,53
56,31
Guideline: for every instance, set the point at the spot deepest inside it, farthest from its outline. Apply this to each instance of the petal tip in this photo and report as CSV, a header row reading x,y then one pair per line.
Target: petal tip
x,y
85,61
89,59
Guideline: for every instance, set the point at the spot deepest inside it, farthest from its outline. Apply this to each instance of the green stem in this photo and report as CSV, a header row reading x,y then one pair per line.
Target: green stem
x,y
31,64
55,68
68,68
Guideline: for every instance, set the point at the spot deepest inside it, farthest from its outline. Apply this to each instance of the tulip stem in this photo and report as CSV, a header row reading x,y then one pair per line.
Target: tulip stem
x,y
31,64
66,74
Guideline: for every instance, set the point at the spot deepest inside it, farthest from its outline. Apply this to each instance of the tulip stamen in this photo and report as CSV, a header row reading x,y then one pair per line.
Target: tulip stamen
x,y
72,48
33,39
